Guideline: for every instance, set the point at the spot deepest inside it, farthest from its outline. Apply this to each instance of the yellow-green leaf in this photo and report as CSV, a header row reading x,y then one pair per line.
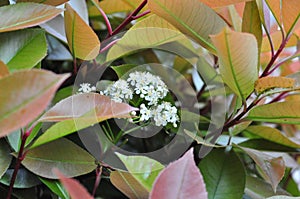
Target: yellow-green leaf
x,y
142,38
82,40
24,15
280,112
266,83
238,55
126,183
192,18
48,2
273,135
3,69
24,96
251,22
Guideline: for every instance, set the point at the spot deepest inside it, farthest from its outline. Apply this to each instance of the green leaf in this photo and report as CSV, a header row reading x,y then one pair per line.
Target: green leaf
x,y
56,187
62,154
142,168
266,83
259,189
273,135
143,38
251,22
5,157
82,40
25,179
23,97
223,174
78,112
271,169
280,112
62,94
265,145
282,197
238,57
130,186
24,15
192,18
23,49
123,69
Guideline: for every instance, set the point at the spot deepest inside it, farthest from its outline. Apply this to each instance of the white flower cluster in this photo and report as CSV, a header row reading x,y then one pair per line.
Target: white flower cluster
x,y
150,88
86,88
119,91
162,114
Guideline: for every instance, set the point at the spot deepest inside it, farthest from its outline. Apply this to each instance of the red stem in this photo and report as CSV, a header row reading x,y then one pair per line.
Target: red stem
x,y
20,158
98,179
108,25
129,18
141,15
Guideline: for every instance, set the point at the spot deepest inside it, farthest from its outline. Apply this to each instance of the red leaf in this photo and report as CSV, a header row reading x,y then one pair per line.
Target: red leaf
x,y
73,187
180,179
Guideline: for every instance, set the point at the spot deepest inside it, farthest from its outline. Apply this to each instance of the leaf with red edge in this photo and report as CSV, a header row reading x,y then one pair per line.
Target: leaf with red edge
x,y
182,178
24,96
24,15
82,40
218,3
74,188
78,112
271,169
48,2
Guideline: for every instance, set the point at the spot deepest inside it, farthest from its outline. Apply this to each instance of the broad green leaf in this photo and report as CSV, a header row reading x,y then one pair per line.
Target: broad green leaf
x,y
24,15
183,179
123,69
3,69
280,112
78,112
73,187
218,3
48,2
126,183
62,154
154,21
5,157
265,145
236,129
266,83
271,169
62,94
238,56
259,189
200,140
24,96
223,174
142,168
142,38
252,23
192,18
82,40
273,135
282,197
25,179
56,187
23,49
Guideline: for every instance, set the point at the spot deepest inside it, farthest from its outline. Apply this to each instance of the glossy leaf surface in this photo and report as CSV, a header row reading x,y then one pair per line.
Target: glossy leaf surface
x,y
23,97
24,15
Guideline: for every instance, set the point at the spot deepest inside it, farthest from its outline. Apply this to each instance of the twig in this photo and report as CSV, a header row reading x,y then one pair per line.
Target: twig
x,y
20,158
98,179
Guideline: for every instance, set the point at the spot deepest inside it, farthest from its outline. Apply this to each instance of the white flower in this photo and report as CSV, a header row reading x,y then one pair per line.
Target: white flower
x,y
119,91
165,113
86,88
149,87
146,113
